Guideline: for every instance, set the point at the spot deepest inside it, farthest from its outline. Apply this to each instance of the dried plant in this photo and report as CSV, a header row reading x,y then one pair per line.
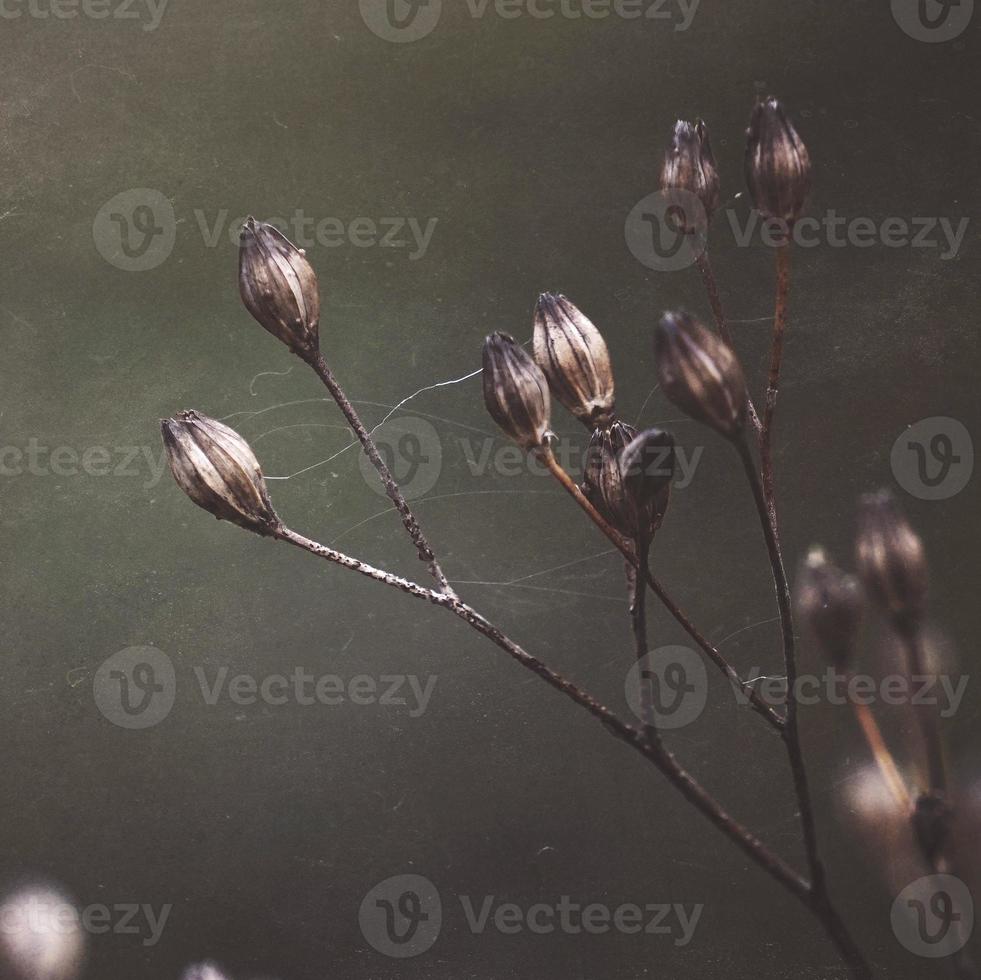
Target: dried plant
x,y
626,490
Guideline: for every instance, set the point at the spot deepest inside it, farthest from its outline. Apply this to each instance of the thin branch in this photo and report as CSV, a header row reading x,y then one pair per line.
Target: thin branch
x,y
773,379
656,753
638,621
790,732
321,367
765,710
883,757
712,291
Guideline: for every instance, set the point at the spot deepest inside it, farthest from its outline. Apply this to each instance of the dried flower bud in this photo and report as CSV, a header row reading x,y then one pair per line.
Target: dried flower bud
x,y
647,463
778,168
830,602
891,560
217,469
700,373
689,169
279,287
573,355
515,391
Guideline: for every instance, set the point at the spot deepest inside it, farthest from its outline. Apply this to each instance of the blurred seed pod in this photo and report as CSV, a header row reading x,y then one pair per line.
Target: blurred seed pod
x,y
891,561
689,169
778,167
204,971
575,359
41,936
279,287
647,467
830,602
700,373
515,391
217,469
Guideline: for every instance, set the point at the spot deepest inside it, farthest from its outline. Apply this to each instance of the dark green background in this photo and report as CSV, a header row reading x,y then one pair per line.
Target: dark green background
x,y
530,141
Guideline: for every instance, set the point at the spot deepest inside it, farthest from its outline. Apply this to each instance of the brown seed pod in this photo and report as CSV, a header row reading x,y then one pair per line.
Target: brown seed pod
x,y
217,469
279,287
689,168
515,391
575,359
831,603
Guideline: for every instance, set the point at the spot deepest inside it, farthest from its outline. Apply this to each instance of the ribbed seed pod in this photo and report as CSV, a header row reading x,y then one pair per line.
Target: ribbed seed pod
x,y
700,373
575,359
217,469
891,560
778,167
830,602
515,391
279,287
689,168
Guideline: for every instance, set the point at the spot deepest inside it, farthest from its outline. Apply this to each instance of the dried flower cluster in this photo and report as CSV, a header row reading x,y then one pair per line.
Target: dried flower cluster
x,y
625,492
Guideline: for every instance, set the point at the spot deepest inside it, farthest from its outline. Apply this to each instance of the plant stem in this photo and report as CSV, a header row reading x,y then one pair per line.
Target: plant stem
x,y
926,718
323,371
712,290
638,619
773,379
765,710
790,733
883,757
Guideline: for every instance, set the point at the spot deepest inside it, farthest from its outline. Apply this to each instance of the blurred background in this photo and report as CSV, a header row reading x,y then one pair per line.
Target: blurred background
x,y
443,164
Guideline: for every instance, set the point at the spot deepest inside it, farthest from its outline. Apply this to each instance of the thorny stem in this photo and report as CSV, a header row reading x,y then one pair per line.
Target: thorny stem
x,y
654,752
773,379
638,620
712,290
322,368
759,704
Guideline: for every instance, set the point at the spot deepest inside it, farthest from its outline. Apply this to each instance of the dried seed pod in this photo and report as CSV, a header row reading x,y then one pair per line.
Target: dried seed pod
x,y
515,391
647,463
689,168
830,602
279,287
573,355
700,373
602,482
217,469
891,560
778,167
